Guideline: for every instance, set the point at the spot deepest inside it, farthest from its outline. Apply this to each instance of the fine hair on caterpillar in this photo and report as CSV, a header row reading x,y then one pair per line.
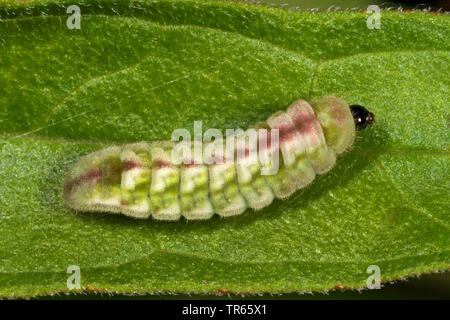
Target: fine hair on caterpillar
x,y
214,175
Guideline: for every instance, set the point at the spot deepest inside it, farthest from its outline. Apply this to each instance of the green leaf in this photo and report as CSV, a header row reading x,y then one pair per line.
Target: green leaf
x,y
137,70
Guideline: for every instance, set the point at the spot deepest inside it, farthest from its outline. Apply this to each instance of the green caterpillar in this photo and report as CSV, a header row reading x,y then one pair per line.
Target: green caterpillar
x,y
141,180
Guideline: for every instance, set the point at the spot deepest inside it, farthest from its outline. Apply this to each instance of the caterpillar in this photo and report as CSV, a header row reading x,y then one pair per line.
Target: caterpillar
x,y
141,180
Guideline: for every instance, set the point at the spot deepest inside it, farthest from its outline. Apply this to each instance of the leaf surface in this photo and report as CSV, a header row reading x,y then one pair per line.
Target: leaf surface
x,y
137,70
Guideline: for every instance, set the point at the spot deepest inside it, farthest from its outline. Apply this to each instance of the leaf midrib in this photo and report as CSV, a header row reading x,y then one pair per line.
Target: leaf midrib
x,y
105,143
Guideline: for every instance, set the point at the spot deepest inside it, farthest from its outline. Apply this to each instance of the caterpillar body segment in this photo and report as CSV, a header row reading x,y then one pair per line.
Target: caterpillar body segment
x,y
252,184
142,180
337,122
165,183
321,157
136,180
194,192
296,171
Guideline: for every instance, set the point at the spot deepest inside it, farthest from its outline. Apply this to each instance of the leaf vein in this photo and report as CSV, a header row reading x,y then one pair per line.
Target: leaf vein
x,y
407,201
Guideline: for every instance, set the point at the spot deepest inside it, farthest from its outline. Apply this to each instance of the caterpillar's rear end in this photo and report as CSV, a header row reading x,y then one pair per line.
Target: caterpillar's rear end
x,y
141,180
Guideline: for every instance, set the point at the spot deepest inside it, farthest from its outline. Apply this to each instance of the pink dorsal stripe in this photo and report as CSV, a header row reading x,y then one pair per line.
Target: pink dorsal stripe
x,y
130,165
306,124
290,141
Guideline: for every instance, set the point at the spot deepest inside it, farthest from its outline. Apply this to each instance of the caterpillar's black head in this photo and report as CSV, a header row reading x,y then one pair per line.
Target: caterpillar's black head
x,y
363,117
